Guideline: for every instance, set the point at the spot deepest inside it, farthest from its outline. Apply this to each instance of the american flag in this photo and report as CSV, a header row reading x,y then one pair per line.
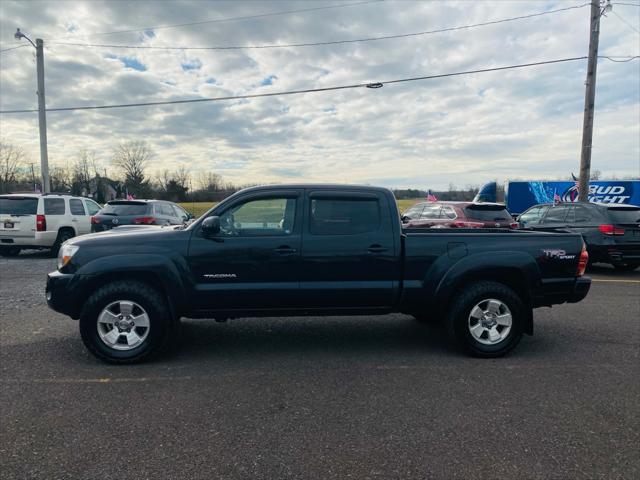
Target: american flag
x,y
431,197
556,197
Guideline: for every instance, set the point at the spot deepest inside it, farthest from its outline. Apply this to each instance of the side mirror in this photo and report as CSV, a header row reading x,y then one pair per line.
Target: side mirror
x,y
210,226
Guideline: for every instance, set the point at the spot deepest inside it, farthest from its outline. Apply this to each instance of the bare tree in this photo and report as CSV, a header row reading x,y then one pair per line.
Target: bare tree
x,y
174,185
132,159
84,169
11,160
210,182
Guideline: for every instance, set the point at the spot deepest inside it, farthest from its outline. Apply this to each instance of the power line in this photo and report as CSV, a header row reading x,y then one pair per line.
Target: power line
x,y
13,48
230,19
309,90
615,59
625,22
334,42
628,4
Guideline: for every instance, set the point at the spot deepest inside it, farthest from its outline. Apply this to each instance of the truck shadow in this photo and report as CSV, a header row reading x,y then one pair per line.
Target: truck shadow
x,y
603,270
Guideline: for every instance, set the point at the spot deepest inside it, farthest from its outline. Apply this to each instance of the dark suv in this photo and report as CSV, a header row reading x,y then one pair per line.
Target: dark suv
x,y
457,215
611,231
138,212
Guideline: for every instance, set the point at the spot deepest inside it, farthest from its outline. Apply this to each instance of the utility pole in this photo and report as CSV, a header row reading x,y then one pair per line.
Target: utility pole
x,y
589,98
42,113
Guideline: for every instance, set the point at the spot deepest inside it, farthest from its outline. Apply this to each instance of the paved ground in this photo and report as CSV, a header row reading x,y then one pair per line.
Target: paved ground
x,y
322,398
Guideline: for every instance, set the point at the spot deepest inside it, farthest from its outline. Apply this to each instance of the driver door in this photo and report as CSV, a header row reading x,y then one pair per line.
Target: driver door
x,y
253,262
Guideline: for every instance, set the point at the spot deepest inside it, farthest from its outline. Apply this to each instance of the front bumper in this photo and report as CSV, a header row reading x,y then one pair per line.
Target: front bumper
x,y
554,291
64,291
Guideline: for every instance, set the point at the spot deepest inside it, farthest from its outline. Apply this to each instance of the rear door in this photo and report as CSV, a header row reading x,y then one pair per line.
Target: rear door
x,y
349,254
17,216
55,213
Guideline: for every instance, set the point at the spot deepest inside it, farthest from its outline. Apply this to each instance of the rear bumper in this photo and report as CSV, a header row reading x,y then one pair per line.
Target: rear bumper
x,y
32,239
554,291
618,253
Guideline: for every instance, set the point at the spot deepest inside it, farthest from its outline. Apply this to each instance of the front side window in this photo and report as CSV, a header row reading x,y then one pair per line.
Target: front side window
x,y
269,216
54,206
448,212
330,216
414,212
76,207
532,215
92,207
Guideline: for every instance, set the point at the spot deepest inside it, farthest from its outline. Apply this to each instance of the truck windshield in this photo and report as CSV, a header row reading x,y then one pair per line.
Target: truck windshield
x,y
123,208
624,215
18,205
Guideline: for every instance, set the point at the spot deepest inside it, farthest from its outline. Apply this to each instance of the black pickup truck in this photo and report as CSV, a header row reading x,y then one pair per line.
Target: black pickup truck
x,y
310,250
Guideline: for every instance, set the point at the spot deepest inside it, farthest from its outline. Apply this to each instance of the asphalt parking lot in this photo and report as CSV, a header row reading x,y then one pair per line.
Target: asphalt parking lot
x,y
319,398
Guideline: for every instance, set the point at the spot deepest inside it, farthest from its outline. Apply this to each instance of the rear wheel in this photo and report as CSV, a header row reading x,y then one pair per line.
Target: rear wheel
x,y
9,251
63,235
125,322
487,319
626,267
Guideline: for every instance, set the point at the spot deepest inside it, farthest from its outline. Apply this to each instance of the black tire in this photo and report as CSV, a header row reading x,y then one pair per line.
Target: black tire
x,y
626,267
464,302
10,251
144,295
63,235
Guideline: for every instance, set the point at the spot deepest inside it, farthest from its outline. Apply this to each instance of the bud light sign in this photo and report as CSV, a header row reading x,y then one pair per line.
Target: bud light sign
x,y
522,195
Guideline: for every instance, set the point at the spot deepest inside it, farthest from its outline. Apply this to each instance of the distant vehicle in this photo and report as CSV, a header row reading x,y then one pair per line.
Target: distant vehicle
x,y
33,220
519,196
610,231
117,213
458,215
311,250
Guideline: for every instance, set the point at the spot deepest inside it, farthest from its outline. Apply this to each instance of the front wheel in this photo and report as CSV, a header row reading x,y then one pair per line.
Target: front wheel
x,y
487,319
125,322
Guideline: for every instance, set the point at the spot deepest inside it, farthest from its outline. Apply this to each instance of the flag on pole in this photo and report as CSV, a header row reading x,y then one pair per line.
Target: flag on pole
x,y
556,197
431,197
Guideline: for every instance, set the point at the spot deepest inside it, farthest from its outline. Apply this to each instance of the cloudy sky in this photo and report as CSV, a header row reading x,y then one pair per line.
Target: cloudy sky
x,y
523,123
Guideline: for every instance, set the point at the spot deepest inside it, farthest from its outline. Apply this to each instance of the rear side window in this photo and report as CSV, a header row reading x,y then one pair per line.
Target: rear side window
x,y
487,213
54,206
76,207
533,215
431,212
624,215
344,216
124,209
18,206
581,215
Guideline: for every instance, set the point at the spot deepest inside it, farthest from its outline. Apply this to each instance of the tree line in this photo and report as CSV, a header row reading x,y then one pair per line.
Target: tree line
x,y
128,176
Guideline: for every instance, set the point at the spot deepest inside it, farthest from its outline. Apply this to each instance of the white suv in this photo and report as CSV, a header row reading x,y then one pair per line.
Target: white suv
x,y
33,220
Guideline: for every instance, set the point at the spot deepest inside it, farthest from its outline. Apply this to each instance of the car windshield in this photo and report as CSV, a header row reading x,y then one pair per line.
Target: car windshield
x,y
18,205
487,213
124,208
625,215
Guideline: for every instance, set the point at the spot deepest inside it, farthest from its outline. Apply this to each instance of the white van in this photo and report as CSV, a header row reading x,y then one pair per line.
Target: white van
x,y
33,220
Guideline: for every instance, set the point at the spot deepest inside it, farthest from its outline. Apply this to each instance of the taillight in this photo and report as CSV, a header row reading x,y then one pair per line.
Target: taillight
x,y
611,230
584,260
460,224
41,223
95,220
513,225
144,220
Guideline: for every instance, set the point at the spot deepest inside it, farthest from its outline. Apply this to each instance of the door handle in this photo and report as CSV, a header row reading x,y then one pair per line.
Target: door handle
x,y
376,249
285,250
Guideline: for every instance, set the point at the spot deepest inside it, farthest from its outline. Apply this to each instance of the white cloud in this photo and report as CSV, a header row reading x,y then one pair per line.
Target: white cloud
x,y
517,123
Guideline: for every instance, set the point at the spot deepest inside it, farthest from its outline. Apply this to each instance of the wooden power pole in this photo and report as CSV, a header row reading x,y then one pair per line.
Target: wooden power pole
x,y
589,100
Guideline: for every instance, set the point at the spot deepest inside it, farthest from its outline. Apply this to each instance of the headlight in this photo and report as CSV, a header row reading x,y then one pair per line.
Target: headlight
x,y
65,254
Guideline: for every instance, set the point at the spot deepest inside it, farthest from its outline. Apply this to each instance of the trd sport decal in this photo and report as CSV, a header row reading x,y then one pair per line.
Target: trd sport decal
x,y
559,254
219,275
